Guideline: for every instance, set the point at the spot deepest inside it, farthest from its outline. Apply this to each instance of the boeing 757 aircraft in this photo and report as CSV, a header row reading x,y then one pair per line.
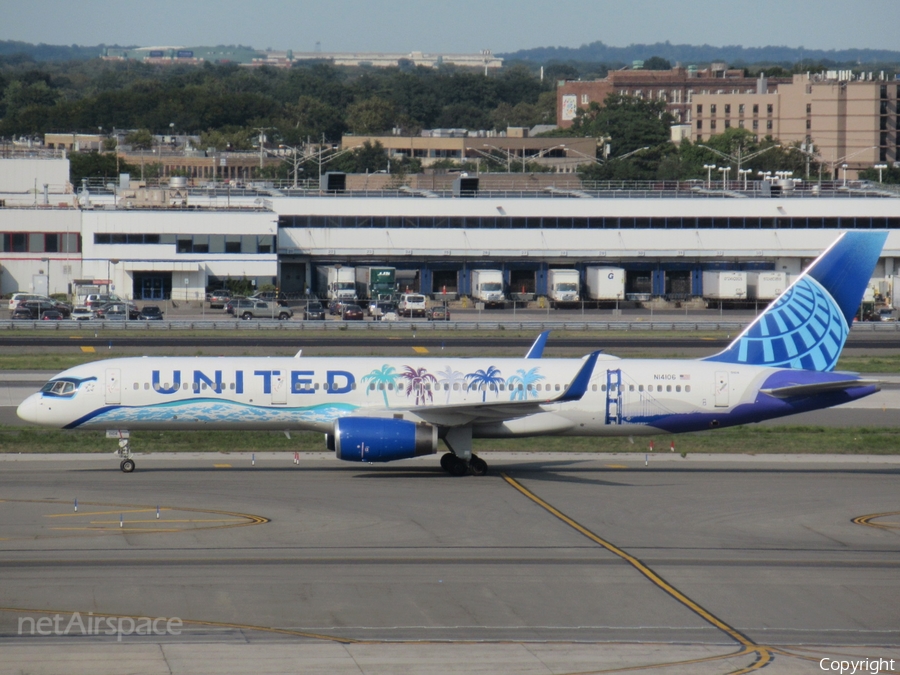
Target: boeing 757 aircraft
x,y
380,410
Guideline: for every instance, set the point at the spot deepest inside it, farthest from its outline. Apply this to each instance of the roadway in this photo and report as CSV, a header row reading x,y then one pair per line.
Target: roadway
x,y
551,563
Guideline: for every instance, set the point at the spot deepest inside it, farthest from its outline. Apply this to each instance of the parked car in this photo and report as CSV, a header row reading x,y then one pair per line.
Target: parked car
x,y
412,304
352,313
269,296
151,313
248,309
114,311
18,298
38,307
52,315
219,298
886,314
314,311
21,314
438,313
229,306
94,300
82,314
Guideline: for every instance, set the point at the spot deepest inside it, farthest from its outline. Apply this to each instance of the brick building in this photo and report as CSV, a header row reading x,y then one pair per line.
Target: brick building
x,y
676,87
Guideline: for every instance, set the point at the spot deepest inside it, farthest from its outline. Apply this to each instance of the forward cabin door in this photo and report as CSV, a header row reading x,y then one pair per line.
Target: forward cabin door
x,y
279,388
722,388
113,386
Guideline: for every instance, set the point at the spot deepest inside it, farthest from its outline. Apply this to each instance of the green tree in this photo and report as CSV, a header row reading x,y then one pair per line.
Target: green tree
x,y
370,116
140,139
97,165
657,63
890,176
627,123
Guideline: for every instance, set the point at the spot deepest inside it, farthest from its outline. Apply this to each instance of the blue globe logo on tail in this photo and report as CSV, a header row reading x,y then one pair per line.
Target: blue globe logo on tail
x,y
803,329
806,327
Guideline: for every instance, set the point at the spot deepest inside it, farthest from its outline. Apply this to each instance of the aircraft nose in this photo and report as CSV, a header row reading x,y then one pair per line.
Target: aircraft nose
x,y
30,409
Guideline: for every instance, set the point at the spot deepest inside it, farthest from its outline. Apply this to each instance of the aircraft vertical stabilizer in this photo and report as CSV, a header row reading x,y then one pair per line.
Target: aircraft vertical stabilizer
x,y
807,326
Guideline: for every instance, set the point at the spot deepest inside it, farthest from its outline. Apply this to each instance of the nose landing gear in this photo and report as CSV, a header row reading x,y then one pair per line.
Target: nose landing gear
x,y
124,452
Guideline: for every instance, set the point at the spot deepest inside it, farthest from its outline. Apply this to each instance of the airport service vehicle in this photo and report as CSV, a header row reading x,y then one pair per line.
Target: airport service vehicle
x,y
604,283
411,304
730,285
487,286
375,283
337,283
563,287
380,409
765,285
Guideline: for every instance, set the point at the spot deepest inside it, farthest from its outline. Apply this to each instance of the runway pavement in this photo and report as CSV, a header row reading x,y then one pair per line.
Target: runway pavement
x,y
551,563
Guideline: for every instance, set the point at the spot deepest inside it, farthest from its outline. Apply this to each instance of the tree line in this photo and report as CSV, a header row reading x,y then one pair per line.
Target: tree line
x,y
228,105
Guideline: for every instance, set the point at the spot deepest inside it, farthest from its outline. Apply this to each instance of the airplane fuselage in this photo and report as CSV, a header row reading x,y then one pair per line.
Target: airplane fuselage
x,y
624,396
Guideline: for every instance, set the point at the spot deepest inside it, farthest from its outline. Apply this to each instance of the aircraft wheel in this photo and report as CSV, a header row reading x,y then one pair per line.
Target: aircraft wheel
x,y
458,467
447,460
127,465
478,466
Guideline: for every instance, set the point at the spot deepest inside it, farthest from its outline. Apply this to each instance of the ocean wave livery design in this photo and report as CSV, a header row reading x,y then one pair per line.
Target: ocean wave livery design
x,y
804,329
217,411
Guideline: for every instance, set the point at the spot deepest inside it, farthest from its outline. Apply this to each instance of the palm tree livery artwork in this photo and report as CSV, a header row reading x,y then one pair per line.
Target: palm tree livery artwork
x,y
520,384
381,378
484,380
419,380
449,378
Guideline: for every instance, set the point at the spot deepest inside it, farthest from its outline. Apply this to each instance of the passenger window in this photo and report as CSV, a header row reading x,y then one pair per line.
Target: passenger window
x,y
687,387
677,387
659,387
593,387
602,387
146,385
668,387
136,386
640,387
630,387
456,386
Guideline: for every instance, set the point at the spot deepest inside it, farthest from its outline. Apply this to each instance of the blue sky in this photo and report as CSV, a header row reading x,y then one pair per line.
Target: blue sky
x,y
453,26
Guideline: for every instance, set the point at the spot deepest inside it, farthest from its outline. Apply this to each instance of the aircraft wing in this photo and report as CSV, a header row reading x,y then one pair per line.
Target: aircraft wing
x,y
817,388
498,411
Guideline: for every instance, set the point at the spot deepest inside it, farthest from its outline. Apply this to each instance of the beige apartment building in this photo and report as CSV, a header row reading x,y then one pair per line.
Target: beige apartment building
x,y
849,119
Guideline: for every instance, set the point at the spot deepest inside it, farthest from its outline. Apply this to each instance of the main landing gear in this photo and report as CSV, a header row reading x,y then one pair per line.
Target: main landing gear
x,y
460,460
456,466
124,451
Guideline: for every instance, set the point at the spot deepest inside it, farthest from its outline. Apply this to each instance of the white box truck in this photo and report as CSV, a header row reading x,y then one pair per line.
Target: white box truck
x,y
563,287
604,283
765,285
487,286
725,285
337,283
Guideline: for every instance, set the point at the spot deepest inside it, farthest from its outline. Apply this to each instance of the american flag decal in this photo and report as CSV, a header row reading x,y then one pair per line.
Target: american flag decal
x,y
684,377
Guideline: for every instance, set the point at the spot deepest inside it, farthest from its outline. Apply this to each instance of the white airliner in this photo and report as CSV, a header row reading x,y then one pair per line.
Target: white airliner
x,y
383,409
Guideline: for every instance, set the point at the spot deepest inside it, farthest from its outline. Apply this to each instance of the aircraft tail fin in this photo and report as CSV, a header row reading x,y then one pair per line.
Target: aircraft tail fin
x,y
807,325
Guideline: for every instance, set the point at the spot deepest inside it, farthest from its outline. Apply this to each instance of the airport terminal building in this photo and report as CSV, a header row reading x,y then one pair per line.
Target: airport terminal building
x,y
179,243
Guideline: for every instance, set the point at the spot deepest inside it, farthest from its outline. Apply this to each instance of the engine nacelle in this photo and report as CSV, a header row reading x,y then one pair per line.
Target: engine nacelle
x,y
373,439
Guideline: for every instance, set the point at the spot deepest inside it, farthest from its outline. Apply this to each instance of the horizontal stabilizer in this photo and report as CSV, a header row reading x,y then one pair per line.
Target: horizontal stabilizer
x,y
537,349
816,388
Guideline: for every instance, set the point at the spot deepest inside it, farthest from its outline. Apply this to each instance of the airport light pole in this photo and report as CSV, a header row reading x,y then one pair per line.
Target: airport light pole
x,y
724,171
880,167
709,169
744,173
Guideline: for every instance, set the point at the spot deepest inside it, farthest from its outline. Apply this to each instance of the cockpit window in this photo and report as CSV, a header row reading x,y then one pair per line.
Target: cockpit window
x,y
59,388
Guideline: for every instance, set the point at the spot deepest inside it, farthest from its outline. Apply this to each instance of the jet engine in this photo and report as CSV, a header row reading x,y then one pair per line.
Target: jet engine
x,y
372,439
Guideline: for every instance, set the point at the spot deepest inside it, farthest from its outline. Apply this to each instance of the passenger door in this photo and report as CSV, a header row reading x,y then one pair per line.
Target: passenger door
x,y
722,389
113,386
